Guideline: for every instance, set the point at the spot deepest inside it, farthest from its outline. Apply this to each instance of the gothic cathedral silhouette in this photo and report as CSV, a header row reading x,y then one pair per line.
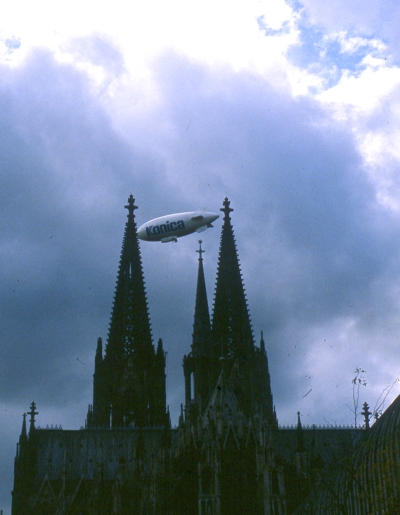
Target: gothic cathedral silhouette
x,y
227,455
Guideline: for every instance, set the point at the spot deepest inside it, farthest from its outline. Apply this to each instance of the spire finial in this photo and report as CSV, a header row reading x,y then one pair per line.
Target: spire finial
x,y
32,413
366,414
226,209
130,206
200,251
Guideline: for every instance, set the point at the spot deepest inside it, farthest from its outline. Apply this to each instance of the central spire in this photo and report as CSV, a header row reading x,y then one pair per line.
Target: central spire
x,y
201,325
196,365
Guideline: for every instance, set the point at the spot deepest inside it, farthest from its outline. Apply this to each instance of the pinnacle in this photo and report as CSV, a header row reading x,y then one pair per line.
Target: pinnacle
x,y
226,209
131,206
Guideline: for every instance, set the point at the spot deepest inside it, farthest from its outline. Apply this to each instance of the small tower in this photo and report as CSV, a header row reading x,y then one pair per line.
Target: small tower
x,y
23,440
129,380
196,364
201,326
263,399
24,464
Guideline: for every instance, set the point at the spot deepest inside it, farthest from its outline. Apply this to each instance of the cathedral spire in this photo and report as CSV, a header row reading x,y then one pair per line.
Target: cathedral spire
x,y
196,364
131,375
231,327
130,323
231,332
232,335
201,325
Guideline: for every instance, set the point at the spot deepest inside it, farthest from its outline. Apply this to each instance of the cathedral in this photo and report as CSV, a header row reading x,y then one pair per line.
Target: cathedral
x,y
227,455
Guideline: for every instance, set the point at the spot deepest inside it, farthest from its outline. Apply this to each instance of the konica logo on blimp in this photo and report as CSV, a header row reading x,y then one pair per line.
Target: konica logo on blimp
x,y
168,227
171,227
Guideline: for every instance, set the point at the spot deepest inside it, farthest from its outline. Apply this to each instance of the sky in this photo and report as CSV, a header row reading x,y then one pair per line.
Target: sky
x,y
289,109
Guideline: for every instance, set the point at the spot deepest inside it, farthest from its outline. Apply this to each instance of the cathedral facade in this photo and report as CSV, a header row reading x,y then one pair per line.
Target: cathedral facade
x,y
227,456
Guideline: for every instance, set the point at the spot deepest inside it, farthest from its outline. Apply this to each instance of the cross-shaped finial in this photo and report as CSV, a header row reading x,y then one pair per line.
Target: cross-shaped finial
x,y
226,209
131,206
366,414
32,413
200,251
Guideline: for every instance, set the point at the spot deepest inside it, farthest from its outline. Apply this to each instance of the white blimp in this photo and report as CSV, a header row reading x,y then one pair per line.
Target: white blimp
x,y
171,227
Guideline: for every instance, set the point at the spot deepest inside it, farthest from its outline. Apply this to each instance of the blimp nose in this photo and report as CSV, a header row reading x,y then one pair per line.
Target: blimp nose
x,y
141,232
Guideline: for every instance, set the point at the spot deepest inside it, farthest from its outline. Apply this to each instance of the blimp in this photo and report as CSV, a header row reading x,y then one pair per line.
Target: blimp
x,y
171,227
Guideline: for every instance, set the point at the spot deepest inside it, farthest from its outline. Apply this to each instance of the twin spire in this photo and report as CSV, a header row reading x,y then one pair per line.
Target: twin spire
x,y
231,326
130,322
129,381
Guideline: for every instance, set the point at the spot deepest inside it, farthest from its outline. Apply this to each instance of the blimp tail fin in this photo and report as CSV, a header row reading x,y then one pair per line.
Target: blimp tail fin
x,y
197,217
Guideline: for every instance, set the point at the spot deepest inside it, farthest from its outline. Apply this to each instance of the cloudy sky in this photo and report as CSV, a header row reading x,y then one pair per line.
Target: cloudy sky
x,y
289,109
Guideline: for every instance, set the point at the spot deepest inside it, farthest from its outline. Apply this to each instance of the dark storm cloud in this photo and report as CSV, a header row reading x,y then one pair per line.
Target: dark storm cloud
x,y
315,246
294,176
309,238
61,167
